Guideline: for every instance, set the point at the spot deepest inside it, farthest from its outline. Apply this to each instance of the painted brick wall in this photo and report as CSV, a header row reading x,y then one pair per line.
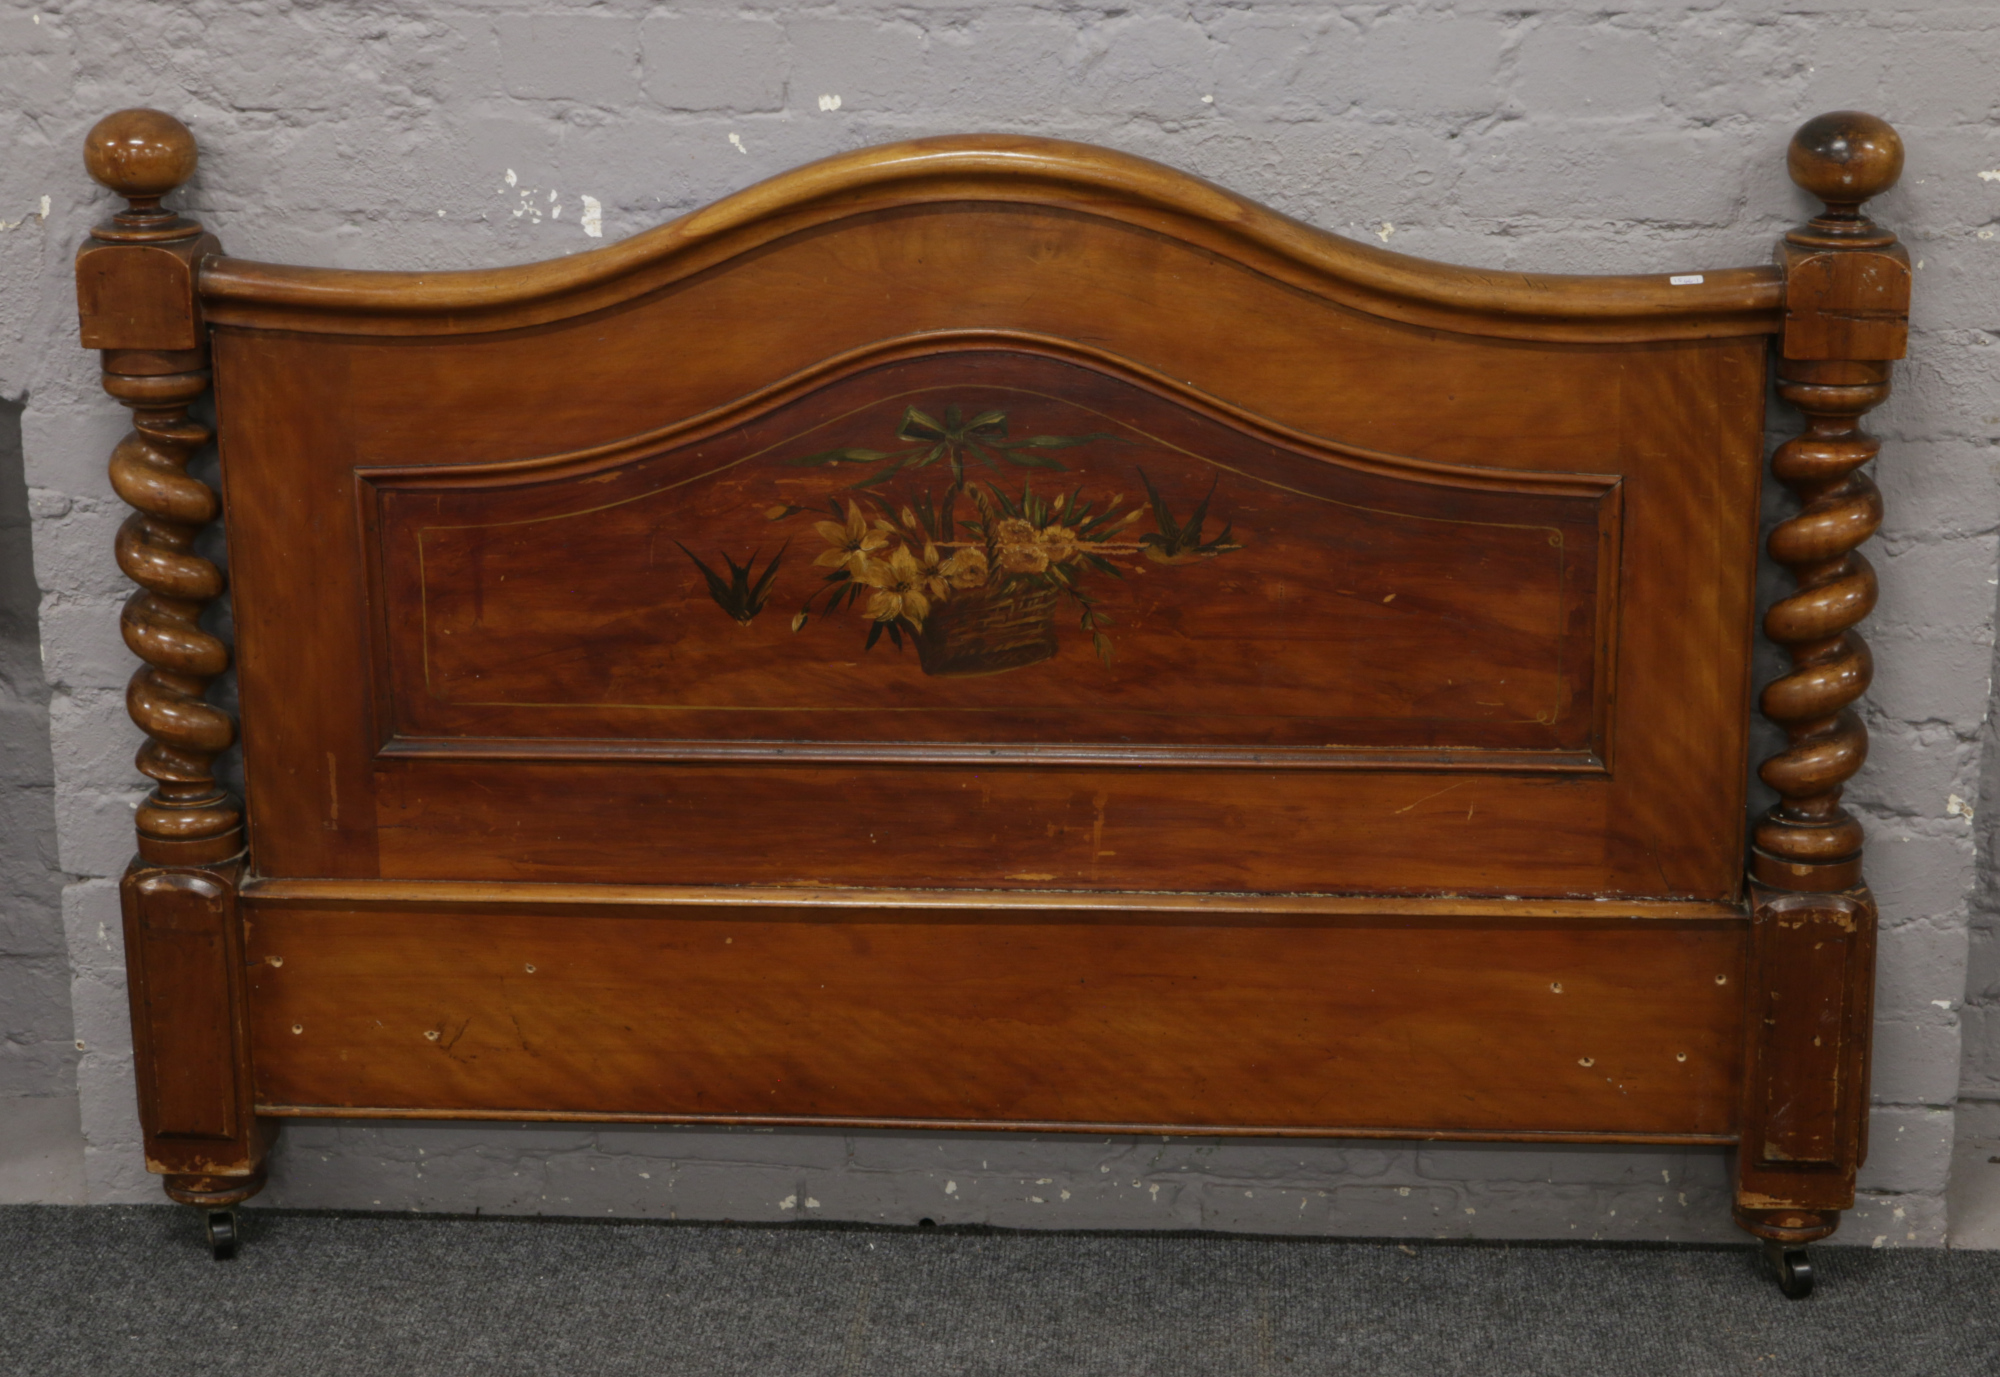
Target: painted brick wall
x,y
1632,135
40,1147
36,1059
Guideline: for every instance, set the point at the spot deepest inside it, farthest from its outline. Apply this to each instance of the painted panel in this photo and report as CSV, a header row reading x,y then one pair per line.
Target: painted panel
x,y
1001,553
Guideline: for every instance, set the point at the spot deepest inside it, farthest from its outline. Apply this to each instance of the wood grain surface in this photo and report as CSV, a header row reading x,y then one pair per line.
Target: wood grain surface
x,y
966,175
1060,559
1316,1023
357,776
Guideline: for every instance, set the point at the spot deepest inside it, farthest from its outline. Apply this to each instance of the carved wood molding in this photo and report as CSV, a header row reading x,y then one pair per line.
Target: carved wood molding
x,y
997,175
136,302
1847,305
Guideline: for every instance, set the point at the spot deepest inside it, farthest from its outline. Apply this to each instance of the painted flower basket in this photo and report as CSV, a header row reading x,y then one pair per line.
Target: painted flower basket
x,y
977,592
990,631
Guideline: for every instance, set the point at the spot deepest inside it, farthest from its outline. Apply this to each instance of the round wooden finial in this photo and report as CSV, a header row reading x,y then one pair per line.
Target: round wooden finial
x,y
1844,158
140,154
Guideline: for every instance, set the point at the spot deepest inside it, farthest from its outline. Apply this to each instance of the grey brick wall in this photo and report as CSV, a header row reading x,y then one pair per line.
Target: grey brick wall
x,y
1978,1126
40,1148
1610,135
36,1057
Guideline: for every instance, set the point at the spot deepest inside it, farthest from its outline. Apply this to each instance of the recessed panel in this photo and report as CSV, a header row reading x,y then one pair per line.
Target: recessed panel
x,y
1005,553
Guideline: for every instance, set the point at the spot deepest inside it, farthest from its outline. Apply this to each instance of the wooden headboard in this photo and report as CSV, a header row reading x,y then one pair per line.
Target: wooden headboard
x,y
997,632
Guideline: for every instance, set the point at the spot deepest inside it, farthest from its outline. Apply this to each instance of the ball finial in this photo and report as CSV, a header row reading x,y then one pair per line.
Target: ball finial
x,y
1845,158
140,154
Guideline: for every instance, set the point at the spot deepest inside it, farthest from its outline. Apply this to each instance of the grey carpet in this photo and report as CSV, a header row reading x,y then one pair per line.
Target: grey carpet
x,y
114,1290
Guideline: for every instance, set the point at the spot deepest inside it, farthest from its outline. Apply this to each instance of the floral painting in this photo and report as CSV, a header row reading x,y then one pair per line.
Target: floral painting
x,y
933,546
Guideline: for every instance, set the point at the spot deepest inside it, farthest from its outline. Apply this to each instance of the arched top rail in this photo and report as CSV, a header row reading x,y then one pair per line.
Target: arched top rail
x,y
997,170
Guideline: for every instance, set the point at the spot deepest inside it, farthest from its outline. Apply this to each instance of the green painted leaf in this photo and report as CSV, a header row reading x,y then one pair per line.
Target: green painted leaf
x,y
1058,441
1034,461
826,458
872,479
717,589
1169,533
1088,528
761,591
1200,513
737,596
918,426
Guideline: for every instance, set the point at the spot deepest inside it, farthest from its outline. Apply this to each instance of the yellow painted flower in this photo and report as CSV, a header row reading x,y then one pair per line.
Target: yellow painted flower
x,y
966,569
1023,548
1058,543
931,575
1018,547
853,545
898,586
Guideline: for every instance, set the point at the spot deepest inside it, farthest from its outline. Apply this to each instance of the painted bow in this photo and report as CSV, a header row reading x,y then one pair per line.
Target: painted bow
x,y
983,436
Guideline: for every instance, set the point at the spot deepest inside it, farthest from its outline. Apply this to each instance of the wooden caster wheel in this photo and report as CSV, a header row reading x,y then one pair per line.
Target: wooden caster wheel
x,y
222,1234
1792,1268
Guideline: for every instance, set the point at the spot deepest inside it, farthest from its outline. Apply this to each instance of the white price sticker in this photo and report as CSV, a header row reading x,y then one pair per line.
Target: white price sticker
x,y
1685,280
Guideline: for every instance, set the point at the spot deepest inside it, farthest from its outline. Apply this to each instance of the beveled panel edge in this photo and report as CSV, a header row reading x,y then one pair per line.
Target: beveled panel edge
x,y
1001,169
277,892
564,1116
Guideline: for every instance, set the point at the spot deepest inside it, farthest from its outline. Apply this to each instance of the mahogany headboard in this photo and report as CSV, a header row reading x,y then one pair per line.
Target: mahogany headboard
x,y
996,632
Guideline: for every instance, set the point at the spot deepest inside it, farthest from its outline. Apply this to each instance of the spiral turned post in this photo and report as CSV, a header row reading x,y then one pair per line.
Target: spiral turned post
x,y
1847,299
1809,835
138,304
1809,976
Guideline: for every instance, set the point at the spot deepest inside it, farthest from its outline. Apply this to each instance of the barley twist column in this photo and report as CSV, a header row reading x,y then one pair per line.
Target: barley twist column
x,y
136,293
139,303
1847,295
1809,992
1809,840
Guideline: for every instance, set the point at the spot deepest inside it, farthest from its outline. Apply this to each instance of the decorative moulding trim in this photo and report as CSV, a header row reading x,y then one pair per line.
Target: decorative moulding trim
x,y
1001,170
985,905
